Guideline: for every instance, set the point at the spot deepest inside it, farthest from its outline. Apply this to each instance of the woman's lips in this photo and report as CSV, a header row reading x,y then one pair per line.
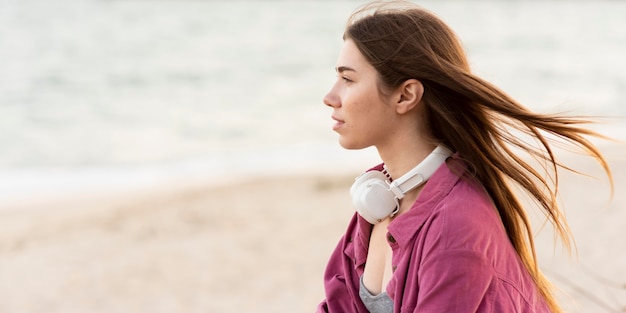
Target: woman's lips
x,y
338,123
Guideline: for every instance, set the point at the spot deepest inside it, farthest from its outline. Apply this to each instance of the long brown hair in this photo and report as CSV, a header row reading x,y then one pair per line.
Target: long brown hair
x,y
473,117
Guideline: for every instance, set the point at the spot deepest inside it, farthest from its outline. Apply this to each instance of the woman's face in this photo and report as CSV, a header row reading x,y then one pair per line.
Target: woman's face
x,y
363,117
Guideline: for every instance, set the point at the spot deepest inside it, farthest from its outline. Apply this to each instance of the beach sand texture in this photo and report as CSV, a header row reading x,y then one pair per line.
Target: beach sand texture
x,y
254,246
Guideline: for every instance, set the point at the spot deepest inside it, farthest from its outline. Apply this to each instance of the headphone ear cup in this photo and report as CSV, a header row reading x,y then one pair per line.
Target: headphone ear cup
x,y
360,182
371,197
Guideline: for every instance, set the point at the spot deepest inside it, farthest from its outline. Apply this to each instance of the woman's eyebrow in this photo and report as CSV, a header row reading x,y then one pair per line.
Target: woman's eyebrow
x,y
342,69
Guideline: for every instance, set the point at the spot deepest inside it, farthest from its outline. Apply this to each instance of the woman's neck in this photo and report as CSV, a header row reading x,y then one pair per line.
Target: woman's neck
x,y
398,161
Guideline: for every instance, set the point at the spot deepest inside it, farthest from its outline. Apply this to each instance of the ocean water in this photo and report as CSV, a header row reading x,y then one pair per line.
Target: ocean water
x,y
111,94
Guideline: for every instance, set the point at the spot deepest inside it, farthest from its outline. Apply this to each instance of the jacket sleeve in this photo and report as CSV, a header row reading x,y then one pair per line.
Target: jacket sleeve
x,y
338,287
341,280
322,307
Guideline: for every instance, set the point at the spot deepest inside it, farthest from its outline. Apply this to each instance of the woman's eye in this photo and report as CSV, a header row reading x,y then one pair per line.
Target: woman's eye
x,y
345,79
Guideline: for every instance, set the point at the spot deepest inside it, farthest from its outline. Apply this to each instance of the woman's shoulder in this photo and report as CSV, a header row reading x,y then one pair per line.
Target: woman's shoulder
x,y
467,218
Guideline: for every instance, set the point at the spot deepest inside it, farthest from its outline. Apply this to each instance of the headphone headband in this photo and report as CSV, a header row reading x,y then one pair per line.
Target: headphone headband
x,y
421,173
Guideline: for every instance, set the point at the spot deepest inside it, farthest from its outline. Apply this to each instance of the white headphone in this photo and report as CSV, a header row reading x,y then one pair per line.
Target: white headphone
x,y
375,198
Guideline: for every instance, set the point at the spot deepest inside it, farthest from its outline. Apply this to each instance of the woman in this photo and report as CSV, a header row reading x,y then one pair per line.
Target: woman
x,y
460,242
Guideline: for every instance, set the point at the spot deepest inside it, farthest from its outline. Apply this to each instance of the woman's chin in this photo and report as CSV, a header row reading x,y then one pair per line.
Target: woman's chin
x,y
350,145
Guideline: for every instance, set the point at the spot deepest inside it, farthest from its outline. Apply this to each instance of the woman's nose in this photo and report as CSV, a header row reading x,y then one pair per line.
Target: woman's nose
x,y
331,99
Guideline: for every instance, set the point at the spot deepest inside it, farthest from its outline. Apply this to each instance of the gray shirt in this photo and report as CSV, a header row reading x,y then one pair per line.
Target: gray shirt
x,y
380,303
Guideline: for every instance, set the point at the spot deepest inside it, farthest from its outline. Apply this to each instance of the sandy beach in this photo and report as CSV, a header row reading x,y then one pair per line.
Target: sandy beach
x,y
258,245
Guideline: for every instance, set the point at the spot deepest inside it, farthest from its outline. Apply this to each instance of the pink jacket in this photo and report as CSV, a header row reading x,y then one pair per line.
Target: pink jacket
x,y
450,254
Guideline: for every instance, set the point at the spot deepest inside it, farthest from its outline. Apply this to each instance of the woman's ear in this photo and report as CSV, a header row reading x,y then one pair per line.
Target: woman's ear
x,y
409,95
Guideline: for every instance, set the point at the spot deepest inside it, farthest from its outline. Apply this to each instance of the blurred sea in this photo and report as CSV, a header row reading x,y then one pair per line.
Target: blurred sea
x,y
116,94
